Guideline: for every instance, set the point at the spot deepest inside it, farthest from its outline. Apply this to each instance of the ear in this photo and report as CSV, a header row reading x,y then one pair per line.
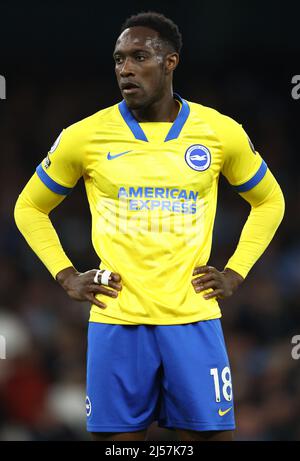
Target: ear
x,y
171,62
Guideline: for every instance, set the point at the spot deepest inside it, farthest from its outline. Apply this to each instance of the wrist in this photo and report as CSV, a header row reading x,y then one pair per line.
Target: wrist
x,y
234,278
64,275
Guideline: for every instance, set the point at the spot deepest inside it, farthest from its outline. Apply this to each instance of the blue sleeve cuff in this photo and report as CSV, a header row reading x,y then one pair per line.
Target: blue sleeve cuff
x,y
51,184
254,180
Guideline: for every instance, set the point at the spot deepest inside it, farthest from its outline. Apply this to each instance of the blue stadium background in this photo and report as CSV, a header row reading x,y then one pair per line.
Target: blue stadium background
x,y
238,57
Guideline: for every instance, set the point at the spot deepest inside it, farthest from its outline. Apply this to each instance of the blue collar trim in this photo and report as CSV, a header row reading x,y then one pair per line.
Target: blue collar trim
x,y
175,129
132,123
180,120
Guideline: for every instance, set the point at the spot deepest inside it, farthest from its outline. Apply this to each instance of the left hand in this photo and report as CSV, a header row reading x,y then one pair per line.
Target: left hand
x,y
223,284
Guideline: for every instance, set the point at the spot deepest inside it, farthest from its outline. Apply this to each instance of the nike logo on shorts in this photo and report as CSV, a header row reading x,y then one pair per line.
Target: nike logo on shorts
x,y
222,413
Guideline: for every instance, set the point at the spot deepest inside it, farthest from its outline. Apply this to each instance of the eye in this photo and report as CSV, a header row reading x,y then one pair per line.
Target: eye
x,y
140,57
118,59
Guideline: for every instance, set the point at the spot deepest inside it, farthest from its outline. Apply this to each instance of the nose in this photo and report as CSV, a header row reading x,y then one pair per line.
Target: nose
x,y
126,68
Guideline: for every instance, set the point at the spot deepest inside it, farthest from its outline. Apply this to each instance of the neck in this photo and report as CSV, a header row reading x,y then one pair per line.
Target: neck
x,y
164,110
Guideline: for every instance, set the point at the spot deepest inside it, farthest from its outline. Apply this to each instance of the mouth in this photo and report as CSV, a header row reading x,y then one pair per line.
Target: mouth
x,y
129,88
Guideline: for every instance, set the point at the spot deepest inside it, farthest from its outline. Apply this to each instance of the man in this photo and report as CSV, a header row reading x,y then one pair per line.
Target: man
x,y
151,165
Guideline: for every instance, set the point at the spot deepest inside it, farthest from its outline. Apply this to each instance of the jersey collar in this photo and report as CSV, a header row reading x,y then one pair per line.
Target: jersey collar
x,y
175,129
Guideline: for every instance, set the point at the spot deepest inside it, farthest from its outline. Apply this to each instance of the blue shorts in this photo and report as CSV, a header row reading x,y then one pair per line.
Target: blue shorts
x,y
178,375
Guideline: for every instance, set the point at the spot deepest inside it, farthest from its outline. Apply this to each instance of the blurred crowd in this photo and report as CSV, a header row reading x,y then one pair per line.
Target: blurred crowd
x,y
42,379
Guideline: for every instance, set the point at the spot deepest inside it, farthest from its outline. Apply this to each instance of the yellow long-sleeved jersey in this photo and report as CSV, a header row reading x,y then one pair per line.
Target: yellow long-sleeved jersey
x,y
152,191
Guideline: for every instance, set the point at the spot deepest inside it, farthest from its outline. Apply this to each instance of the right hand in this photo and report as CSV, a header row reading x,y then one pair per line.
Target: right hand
x,y
81,286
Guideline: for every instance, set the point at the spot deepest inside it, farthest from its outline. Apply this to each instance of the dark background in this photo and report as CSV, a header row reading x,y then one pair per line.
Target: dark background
x,y
238,57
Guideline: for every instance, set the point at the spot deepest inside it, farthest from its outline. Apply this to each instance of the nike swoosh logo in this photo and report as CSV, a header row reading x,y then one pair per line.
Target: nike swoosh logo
x,y
222,413
111,157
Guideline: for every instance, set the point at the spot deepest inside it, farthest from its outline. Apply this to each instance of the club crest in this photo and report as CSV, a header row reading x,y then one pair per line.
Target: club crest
x,y
198,157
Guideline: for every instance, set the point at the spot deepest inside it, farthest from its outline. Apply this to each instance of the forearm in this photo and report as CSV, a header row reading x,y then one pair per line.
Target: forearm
x,y
35,225
267,210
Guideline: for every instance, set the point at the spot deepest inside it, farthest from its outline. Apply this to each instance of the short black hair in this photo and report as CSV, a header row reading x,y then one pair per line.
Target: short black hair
x,y
166,28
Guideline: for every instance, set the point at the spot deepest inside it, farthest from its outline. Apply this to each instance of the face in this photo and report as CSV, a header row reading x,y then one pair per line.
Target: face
x,y
143,66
